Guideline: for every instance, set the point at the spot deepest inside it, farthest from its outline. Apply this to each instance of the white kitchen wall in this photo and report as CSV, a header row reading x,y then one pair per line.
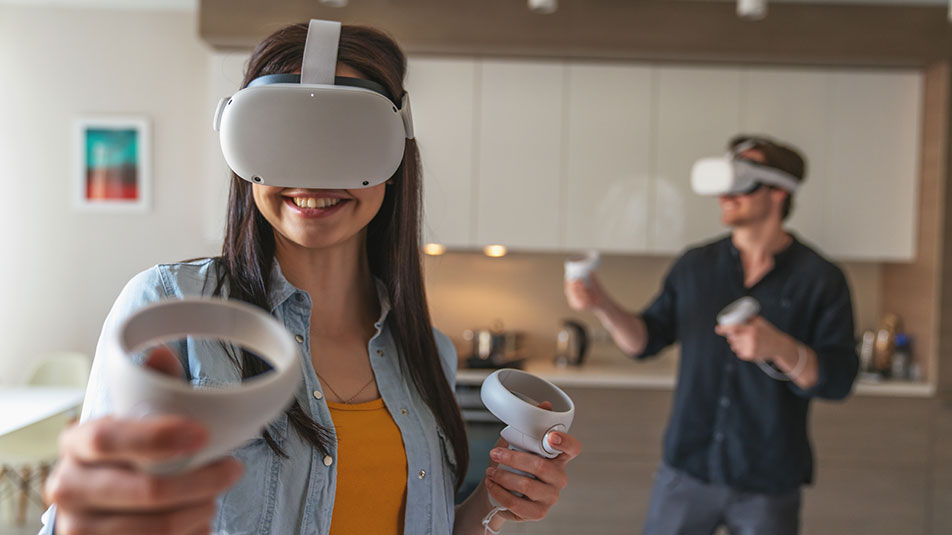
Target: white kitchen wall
x,y
61,269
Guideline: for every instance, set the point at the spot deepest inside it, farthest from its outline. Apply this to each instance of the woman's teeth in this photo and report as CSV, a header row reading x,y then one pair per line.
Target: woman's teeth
x,y
311,202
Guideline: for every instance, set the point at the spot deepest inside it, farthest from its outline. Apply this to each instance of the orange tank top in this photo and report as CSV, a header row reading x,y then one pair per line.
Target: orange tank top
x,y
371,470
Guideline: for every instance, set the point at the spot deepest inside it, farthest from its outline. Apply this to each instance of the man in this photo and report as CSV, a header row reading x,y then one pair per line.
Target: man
x,y
737,450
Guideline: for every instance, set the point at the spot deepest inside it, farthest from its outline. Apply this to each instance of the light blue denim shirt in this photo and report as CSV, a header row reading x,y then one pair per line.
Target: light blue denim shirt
x,y
295,495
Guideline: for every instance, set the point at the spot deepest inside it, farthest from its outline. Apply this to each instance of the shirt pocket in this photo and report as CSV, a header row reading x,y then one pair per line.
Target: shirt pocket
x,y
248,508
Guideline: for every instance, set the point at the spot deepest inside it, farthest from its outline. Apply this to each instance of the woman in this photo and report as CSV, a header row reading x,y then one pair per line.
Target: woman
x,y
374,442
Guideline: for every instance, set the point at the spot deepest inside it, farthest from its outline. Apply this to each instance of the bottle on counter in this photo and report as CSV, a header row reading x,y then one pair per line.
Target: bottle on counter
x,y
901,358
867,349
886,344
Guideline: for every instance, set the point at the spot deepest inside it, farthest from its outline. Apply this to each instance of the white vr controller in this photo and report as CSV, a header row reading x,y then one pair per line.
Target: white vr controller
x,y
231,414
513,396
582,268
739,312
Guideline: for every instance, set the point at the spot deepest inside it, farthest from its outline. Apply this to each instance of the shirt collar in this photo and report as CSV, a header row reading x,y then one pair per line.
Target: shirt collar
x,y
779,257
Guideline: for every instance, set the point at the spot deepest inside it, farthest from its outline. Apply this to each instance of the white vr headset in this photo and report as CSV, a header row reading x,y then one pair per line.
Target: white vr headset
x,y
314,130
730,175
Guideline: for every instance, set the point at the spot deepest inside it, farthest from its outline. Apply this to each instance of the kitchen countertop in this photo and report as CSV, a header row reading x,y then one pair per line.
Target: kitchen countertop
x,y
659,374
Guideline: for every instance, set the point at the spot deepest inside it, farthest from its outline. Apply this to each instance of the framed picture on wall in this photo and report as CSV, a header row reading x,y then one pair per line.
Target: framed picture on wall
x,y
114,168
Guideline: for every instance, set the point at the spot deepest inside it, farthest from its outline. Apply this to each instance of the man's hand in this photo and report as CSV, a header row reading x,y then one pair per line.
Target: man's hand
x,y
757,339
584,295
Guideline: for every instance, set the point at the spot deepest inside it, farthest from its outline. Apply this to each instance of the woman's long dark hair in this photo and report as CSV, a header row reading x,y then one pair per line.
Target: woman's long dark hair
x,y
393,238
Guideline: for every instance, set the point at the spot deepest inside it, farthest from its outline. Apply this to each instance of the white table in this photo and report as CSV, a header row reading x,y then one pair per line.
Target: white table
x,y
26,405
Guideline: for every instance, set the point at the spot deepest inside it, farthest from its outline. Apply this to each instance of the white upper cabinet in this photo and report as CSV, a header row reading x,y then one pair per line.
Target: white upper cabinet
x,y
545,156
793,106
520,158
698,111
874,171
609,133
442,99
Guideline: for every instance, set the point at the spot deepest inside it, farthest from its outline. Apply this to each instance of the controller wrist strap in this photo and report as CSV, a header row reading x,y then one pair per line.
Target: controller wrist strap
x,y
488,530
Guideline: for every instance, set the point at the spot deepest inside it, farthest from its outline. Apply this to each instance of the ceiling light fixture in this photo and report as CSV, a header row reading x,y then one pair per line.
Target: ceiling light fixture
x,y
334,3
752,9
543,7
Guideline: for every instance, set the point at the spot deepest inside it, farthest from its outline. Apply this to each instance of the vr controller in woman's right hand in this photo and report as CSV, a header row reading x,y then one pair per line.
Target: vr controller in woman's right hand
x,y
96,490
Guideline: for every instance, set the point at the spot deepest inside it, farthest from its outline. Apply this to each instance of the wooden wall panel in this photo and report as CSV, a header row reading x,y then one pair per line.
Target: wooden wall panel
x,y
644,29
912,290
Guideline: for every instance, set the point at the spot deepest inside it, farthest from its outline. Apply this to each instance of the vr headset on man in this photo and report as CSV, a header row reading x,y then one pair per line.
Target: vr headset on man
x,y
731,175
314,130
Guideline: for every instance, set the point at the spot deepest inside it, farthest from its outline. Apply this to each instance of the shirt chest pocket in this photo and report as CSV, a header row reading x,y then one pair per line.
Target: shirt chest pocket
x,y
248,508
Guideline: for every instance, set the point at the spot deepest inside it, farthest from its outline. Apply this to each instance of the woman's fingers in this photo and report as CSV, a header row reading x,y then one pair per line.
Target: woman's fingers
x,y
516,508
163,359
531,489
77,487
566,443
191,520
130,441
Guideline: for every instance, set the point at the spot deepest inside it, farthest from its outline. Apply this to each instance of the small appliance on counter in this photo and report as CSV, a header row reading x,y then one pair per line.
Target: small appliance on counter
x,y
571,343
495,348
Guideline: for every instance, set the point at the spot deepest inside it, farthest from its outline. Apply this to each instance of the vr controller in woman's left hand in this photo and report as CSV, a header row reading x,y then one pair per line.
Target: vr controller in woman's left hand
x,y
540,492
757,339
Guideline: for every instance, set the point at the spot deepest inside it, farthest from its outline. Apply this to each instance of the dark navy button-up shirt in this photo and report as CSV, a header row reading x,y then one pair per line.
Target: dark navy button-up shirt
x,y
731,424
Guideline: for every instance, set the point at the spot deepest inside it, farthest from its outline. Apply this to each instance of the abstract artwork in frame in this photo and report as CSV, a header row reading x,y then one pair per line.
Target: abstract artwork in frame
x,y
114,168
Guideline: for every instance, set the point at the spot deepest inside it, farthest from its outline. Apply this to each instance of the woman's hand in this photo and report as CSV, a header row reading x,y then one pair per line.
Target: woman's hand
x,y
97,489
539,494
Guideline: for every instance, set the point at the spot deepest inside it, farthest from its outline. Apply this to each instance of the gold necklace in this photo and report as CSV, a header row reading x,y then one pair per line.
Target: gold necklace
x,y
340,397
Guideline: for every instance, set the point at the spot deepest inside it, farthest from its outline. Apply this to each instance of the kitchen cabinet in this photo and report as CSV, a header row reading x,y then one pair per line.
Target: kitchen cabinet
x,y
443,99
874,465
608,172
519,154
793,105
548,156
874,173
698,110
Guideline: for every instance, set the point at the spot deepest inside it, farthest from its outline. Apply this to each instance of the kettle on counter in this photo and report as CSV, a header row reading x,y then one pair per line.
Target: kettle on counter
x,y
571,343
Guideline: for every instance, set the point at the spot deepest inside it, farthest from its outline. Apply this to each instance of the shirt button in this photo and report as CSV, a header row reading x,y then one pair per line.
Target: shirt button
x,y
422,474
317,394
718,437
328,460
403,411
725,402
380,352
299,338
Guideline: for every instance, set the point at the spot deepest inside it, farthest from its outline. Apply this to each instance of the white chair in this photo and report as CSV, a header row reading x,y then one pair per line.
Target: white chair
x,y
27,454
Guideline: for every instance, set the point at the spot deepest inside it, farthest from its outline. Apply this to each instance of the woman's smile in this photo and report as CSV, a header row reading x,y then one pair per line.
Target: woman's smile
x,y
315,205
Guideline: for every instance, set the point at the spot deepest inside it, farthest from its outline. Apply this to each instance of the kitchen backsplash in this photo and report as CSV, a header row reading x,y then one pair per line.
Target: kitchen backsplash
x,y
524,292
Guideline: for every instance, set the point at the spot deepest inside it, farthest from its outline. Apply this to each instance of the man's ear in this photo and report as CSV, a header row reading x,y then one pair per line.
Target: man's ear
x,y
779,195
